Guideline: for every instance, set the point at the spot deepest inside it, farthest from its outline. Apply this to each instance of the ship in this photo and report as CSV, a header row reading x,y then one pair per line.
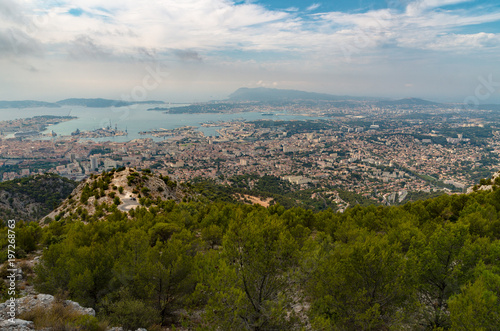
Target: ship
x,y
24,134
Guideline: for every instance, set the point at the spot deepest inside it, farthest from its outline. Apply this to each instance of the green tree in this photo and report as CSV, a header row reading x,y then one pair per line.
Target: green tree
x,y
441,270
361,284
161,275
168,276
212,235
250,288
28,236
477,307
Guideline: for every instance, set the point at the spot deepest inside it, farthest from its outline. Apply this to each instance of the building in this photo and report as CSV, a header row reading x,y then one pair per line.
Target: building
x,y
109,163
94,163
296,179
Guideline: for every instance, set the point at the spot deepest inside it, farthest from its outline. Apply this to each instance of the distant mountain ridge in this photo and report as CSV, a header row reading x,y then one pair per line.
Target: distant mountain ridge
x,y
91,103
406,102
103,103
243,94
27,104
263,94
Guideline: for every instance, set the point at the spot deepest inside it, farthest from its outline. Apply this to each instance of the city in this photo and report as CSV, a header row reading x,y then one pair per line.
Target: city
x,y
383,157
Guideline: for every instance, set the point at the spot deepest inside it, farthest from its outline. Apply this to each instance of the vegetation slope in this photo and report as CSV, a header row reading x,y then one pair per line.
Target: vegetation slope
x,y
432,264
33,197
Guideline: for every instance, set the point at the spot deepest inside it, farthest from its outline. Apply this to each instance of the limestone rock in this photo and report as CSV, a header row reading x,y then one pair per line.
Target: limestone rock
x,y
17,325
30,302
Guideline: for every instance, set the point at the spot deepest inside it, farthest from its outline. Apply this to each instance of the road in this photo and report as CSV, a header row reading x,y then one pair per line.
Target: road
x,y
128,203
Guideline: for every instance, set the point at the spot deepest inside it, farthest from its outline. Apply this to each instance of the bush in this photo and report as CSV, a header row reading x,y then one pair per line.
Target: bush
x,y
162,232
87,322
132,314
62,318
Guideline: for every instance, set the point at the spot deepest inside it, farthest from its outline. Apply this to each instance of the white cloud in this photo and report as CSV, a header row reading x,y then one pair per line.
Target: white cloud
x,y
418,6
221,36
122,27
313,6
471,42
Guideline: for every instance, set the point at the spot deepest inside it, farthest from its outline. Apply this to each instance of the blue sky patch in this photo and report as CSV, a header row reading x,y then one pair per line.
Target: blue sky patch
x,y
76,12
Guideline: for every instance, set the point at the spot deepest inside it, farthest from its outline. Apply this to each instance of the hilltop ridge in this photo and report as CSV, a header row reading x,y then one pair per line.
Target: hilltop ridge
x,y
120,189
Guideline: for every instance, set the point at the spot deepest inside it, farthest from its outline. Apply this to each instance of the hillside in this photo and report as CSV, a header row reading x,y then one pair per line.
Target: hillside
x,y
426,265
122,189
33,197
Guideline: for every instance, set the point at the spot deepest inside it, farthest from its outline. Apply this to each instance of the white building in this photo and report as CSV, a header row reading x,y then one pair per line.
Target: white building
x,y
94,162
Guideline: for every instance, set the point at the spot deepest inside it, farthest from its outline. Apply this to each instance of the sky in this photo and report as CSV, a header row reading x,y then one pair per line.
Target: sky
x,y
200,50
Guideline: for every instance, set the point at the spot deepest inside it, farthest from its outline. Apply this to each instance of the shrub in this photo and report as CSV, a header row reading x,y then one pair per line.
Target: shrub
x,y
132,314
62,318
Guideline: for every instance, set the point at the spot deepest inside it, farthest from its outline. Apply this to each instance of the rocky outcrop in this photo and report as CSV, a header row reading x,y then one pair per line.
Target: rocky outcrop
x,y
30,302
486,185
16,325
124,187
46,300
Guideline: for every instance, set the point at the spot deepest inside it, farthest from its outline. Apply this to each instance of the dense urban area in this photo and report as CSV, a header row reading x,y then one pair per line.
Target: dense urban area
x,y
262,224
356,153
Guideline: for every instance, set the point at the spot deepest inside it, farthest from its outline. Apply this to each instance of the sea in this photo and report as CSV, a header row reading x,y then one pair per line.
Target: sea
x,y
137,118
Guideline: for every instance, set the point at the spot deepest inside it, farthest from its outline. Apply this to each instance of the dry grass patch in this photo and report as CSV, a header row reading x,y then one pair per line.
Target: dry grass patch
x,y
59,317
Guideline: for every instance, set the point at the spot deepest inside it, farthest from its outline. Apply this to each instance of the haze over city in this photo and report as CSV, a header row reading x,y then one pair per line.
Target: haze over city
x,y
199,50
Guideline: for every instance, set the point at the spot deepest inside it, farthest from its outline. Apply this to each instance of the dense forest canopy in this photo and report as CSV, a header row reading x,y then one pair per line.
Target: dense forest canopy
x,y
432,264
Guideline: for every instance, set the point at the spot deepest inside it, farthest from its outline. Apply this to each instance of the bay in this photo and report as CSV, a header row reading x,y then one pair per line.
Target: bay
x,y
135,119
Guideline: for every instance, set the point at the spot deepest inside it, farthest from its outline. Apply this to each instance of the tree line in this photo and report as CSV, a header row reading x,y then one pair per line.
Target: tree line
x,y
425,265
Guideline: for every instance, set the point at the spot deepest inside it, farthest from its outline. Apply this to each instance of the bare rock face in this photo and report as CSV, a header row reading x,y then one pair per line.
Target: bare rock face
x,y
123,187
16,325
28,303
486,187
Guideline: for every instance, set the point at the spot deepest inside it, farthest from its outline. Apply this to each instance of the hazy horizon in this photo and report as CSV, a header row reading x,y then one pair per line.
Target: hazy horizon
x,y
201,50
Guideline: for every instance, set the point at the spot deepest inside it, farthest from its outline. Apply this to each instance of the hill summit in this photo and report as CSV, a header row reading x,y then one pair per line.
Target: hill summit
x,y
122,189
